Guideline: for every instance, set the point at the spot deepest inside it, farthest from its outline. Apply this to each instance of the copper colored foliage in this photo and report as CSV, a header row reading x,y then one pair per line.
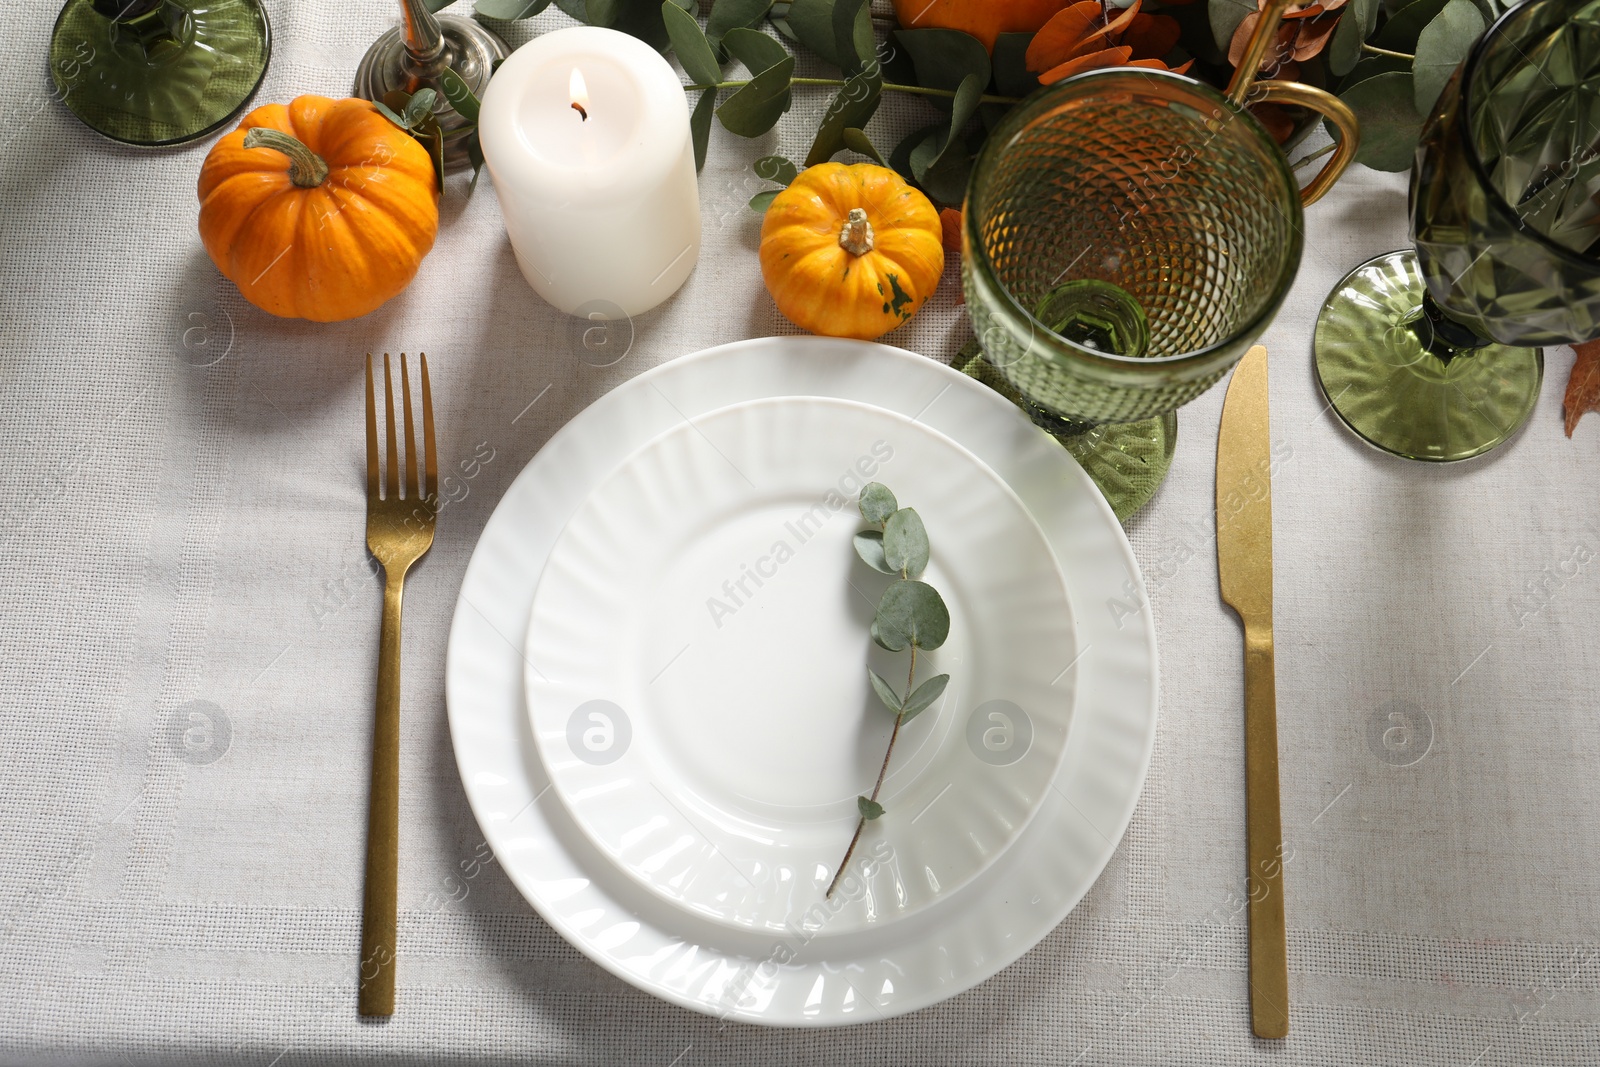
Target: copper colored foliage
x,y
1583,387
1089,35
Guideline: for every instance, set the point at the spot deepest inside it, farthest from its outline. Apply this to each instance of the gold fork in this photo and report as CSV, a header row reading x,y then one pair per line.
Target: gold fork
x,y
399,531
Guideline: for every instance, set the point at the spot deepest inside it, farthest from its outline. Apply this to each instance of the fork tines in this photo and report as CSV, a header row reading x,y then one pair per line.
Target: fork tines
x,y
391,466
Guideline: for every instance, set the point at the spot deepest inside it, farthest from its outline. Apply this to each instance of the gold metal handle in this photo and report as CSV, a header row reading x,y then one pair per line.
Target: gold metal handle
x,y
1336,111
1244,89
1269,949
379,905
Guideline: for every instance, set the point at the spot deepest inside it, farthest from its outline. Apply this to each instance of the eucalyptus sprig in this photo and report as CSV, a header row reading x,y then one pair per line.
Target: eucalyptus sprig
x,y
414,114
911,615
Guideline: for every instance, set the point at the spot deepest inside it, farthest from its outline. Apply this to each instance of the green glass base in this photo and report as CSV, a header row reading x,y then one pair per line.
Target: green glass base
x,y
1382,379
161,72
1126,461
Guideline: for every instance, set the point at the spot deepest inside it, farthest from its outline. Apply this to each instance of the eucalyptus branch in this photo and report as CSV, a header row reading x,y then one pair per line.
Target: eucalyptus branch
x,y
1375,50
917,90
1318,154
911,614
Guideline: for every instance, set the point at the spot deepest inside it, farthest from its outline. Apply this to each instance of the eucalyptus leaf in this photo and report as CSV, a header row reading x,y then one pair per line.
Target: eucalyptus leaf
x,y
905,543
852,35
783,27
879,640
855,104
640,18
812,22
1405,26
578,9
388,112
730,14
436,6
1441,47
763,200
870,809
420,107
885,691
877,503
1390,123
776,169
1225,18
945,59
689,42
509,10
756,50
1371,67
869,546
923,696
462,98
700,125
946,183
1011,74
475,157
432,138
858,141
757,107
900,156
928,155
1355,26
911,613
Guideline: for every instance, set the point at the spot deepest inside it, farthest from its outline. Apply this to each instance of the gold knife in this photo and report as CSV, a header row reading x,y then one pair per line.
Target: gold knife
x,y
1244,565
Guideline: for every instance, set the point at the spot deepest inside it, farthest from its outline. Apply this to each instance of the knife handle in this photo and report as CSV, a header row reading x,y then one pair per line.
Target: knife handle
x,y
1269,952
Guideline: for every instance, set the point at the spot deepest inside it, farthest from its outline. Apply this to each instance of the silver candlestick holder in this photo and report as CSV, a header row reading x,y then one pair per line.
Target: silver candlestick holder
x,y
414,54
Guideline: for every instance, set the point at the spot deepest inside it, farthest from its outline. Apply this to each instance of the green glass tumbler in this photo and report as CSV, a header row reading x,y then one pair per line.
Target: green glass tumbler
x,y
158,72
1128,235
1434,355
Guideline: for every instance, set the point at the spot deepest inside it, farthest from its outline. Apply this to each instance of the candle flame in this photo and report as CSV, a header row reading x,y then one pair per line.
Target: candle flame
x,y
579,90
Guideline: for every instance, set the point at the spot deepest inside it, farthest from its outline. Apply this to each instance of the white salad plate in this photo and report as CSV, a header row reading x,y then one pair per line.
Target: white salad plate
x,y
826,966
697,666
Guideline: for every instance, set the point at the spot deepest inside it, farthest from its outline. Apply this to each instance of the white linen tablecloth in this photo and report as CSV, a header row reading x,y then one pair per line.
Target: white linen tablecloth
x,y
182,521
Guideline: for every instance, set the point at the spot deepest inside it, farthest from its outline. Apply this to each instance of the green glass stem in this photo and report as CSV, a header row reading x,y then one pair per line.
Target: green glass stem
x,y
156,31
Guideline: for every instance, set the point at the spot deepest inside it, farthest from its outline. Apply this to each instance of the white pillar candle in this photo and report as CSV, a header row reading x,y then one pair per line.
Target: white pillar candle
x,y
599,199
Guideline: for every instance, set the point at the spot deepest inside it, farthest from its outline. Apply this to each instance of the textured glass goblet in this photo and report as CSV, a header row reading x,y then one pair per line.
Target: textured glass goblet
x,y
1432,355
1128,235
158,72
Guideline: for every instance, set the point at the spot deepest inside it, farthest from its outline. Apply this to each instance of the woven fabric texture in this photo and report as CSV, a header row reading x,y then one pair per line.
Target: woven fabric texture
x,y
182,532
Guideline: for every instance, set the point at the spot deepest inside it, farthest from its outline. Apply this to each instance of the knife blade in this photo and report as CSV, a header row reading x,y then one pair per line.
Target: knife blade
x,y
1244,567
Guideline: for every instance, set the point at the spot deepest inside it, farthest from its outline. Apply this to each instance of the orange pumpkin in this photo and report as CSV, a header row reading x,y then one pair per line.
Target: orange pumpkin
x,y
319,210
850,250
983,19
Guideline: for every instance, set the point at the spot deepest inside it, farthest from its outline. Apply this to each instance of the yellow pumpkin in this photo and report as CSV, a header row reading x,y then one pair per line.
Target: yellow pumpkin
x,y
322,209
850,250
983,19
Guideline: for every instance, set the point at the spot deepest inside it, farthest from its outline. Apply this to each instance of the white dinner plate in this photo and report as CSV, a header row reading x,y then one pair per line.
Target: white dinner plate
x,y
805,976
697,654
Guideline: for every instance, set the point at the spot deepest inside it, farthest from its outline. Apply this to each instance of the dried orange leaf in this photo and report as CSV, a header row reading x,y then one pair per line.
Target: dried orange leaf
x,y
1313,38
1583,387
1066,29
950,222
1110,57
1152,36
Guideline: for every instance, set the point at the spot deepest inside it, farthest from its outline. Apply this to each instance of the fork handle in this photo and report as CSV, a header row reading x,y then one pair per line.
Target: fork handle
x,y
379,906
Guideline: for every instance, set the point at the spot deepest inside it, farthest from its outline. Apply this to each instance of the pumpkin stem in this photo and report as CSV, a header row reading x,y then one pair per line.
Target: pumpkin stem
x,y
856,236
306,169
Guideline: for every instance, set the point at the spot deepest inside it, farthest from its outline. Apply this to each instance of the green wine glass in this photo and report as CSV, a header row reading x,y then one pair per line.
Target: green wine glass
x,y
158,72
1434,355
1128,235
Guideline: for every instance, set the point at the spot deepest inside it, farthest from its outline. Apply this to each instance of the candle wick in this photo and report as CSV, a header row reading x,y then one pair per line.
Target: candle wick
x,y
579,109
